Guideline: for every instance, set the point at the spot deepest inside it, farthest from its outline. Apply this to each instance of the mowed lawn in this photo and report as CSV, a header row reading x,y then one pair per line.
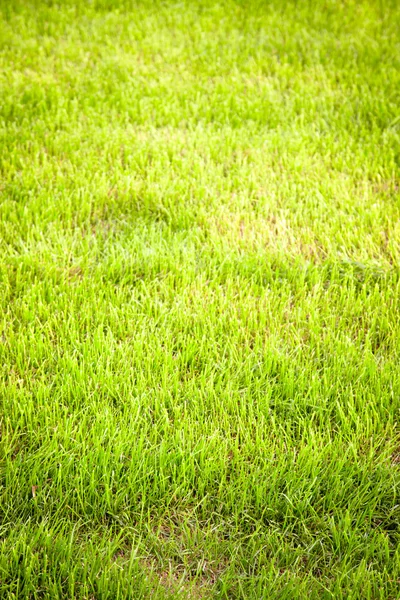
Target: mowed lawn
x,y
200,299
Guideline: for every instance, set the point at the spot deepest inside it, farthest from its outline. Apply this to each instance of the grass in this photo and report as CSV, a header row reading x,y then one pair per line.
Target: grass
x,y
199,325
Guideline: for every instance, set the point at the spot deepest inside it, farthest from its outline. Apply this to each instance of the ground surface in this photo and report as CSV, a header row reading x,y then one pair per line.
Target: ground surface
x,y
199,324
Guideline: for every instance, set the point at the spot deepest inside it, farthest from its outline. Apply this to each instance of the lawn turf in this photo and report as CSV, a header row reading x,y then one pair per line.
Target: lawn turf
x,y
199,321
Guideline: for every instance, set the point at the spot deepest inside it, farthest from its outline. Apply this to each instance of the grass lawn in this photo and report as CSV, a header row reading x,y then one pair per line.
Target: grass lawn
x,y
200,299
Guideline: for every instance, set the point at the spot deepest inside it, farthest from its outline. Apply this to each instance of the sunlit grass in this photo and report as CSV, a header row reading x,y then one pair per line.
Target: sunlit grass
x,y
199,326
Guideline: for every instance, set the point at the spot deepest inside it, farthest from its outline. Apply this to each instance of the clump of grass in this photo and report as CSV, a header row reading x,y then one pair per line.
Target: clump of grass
x,y
199,333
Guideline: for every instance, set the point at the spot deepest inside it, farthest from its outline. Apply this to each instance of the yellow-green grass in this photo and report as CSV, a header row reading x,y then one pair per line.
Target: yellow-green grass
x,y
199,326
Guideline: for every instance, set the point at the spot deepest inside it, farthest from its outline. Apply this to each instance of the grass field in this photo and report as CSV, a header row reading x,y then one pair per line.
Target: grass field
x,y
200,300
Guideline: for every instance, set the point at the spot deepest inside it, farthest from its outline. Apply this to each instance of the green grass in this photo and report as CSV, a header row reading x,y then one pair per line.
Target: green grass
x,y
200,300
